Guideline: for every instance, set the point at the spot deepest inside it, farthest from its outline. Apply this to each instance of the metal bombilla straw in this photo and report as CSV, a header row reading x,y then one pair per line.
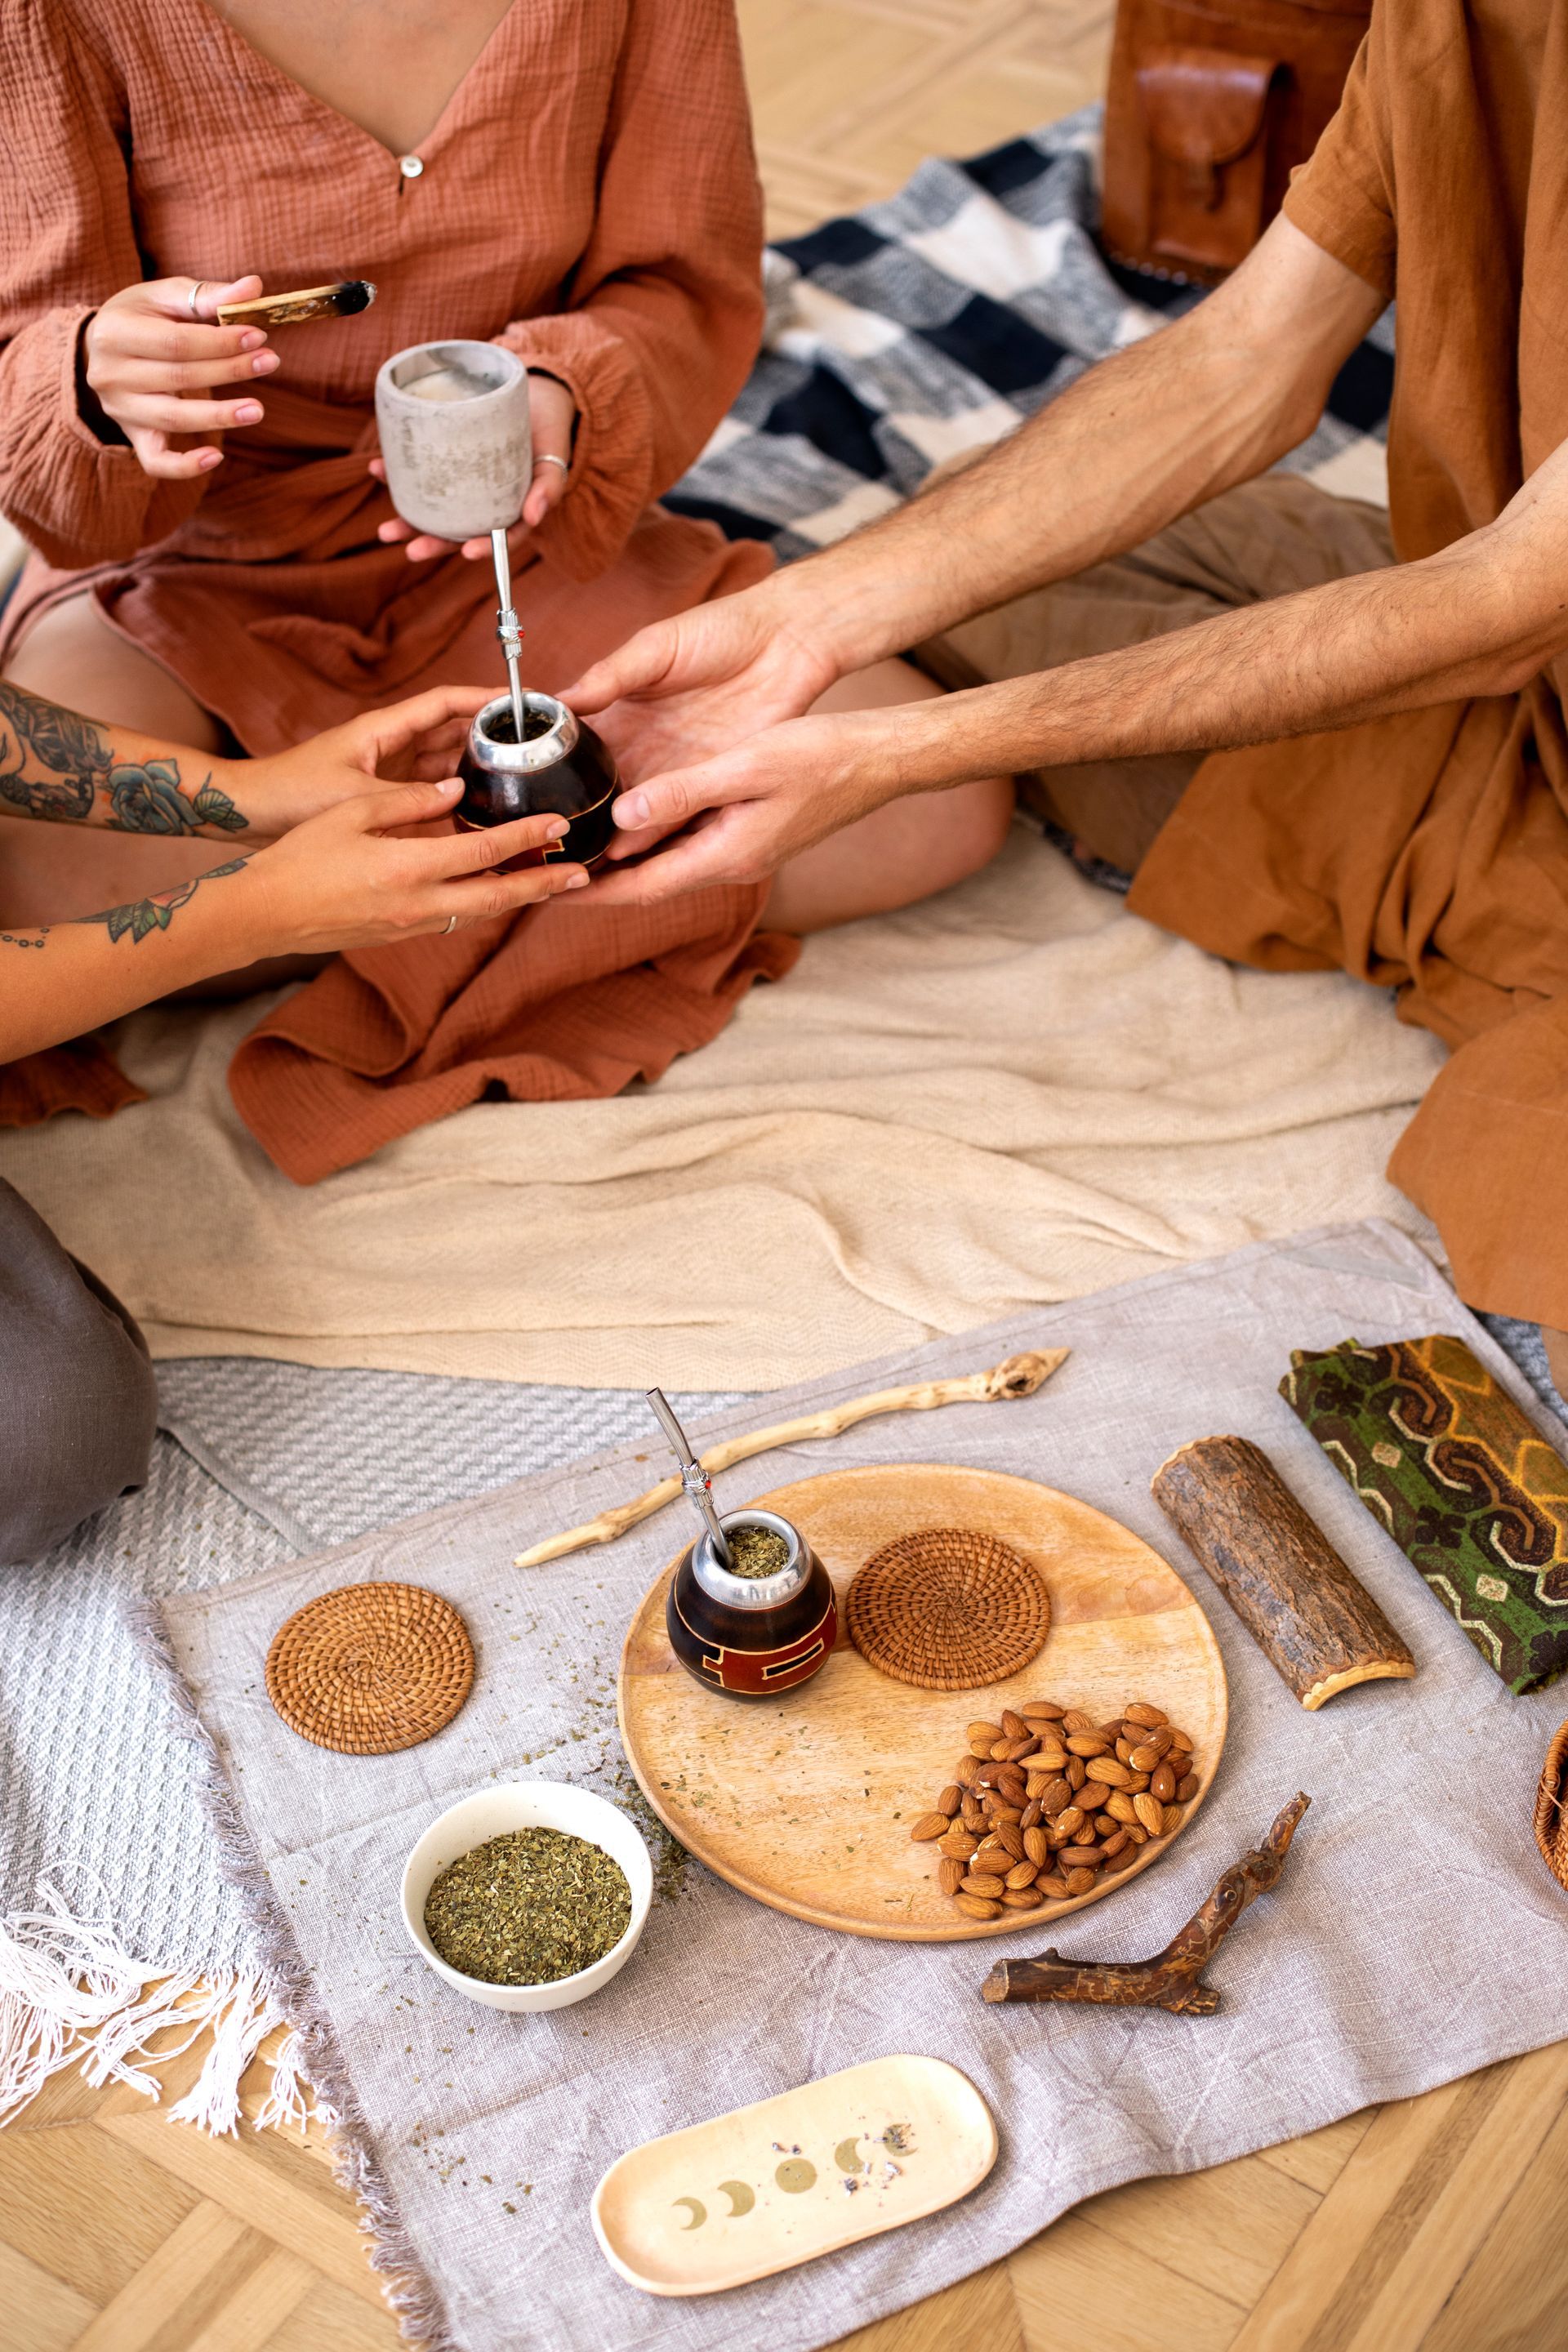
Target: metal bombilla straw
x,y
506,630
693,1477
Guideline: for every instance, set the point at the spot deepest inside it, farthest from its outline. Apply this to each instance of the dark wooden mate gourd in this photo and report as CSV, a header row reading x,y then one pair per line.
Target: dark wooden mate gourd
x,y
560,769
752,1636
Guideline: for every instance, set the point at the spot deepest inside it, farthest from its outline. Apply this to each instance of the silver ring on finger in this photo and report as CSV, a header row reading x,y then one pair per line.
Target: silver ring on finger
x,y
193,297
547,457
451,927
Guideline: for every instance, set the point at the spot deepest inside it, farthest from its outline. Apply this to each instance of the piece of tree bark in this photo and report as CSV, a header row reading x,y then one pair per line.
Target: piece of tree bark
x,y
1174,1979
1016,1376
1319,1627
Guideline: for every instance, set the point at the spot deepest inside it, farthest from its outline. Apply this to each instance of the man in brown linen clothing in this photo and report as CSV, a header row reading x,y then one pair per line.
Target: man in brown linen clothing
x,y
1387,781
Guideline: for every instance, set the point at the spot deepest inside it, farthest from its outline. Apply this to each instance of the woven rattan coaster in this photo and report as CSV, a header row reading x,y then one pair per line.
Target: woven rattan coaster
x,y
370,1668
948,1609
1552,1808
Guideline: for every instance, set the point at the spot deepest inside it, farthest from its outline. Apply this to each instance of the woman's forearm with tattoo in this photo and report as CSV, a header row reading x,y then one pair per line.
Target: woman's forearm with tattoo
x,y
64,769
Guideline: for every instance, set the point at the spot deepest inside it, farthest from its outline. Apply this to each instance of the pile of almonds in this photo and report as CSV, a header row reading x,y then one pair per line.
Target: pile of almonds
x,y
1046,1802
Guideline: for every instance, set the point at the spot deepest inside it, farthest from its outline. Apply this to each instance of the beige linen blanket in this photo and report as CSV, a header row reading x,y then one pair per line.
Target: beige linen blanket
x,y
1011,1095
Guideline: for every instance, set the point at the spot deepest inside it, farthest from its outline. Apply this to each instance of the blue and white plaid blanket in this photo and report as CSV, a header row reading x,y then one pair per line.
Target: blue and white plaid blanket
x,y
935,323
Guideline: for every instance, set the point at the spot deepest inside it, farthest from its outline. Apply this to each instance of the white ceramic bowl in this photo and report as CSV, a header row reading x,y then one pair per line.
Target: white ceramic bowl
x,y
527,1805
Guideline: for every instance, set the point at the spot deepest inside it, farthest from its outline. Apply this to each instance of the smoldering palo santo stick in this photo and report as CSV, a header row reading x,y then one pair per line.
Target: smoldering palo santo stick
x,y
344,301
1017,1376
1174,1979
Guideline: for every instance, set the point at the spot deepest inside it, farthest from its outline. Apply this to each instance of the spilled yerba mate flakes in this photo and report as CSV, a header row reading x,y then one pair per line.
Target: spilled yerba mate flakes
x,y
528,1908
756,1551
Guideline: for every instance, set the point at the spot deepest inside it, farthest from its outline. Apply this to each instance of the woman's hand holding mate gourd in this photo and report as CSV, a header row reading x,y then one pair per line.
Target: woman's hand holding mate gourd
x,y
553,416
151,358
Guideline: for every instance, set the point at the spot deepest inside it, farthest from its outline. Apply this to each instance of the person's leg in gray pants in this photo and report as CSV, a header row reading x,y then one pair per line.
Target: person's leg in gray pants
x,y
78,1397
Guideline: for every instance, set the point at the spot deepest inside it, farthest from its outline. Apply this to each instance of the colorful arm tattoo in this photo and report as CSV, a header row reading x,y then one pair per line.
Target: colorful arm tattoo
x,y
55,765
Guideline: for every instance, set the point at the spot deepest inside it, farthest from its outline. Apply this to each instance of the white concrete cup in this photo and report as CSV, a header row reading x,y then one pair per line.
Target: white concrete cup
x,y
460,450
527,1805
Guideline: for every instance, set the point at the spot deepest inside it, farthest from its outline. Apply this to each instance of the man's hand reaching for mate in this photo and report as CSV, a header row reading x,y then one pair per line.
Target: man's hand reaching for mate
x,y
747,811
699,684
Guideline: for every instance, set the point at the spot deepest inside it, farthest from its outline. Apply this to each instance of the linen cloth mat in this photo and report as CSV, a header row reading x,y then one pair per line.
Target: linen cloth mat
x,y
1392,1956
1009,1095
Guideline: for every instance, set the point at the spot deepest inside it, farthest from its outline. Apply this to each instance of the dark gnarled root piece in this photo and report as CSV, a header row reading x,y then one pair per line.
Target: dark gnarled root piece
x,y
1174,1979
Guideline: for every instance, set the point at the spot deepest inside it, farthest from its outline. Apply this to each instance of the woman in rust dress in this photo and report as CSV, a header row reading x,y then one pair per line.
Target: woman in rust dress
x,y
214,559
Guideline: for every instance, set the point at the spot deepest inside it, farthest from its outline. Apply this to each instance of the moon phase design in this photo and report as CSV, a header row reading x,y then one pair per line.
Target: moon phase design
x,y
741,2198
796,2175
846,2155
699,2211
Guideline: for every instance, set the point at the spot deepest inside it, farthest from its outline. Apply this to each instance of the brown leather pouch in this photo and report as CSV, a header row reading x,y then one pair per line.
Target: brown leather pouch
x,y
1210,108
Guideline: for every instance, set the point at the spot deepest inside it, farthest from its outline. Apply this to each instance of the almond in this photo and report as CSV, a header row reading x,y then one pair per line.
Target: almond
x,y
1013,1725
1073,1819
964,1771
1109,1771
976,1908
1179,1739
983,1731
1049,1757
1007,1813
948,1803
1029,1818
1046,1706
1086,1744
1079,1882
1105,1824
1151,1812
1018,1748
1037,1845
1023,1899
962,1843
948,1875
1123,1859
1139,1712
1163,1783
1114,1843
984,1884
930,1825
1022,1874
1137,1832
991,1845
1058,1797
1124,1749
981,1749
1187,1788
1073,1721
1075,1768
1172,1819
973,1819
1055,1889
1011,1839
1119,1805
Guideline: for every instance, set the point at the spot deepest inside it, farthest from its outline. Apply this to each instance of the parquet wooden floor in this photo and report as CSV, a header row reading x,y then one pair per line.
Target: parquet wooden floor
x,y
1432,2226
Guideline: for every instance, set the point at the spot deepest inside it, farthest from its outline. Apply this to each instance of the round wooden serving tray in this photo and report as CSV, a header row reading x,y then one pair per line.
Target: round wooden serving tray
x,y
807,1801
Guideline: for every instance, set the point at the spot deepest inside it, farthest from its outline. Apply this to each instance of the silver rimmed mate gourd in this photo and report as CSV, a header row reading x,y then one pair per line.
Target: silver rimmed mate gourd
x,y
751,1609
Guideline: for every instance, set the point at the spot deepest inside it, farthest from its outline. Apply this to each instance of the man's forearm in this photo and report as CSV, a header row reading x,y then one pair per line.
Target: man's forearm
x,y
57,765
1140,439
64,978
1456,625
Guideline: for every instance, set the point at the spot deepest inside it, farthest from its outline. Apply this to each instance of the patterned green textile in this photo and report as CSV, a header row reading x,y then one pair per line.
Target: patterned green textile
x,y
1472,1494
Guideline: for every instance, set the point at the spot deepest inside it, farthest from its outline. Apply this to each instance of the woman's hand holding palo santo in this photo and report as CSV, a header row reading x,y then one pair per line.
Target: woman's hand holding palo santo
x,y
1017,1376
151,356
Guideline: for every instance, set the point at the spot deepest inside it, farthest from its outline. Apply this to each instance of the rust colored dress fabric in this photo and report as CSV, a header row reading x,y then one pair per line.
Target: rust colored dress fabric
x,y
1429,851
589,198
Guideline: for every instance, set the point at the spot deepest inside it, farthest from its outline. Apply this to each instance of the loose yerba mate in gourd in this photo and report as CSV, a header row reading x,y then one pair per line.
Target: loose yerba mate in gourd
x,y
1043,1803
757,1551
528,1908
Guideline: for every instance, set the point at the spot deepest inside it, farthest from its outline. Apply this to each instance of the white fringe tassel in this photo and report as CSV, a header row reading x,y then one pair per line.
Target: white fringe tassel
x,y
70,1996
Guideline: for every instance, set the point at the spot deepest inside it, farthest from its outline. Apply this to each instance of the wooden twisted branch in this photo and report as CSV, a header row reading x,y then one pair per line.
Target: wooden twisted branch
x,y
1017,1376
1172,1979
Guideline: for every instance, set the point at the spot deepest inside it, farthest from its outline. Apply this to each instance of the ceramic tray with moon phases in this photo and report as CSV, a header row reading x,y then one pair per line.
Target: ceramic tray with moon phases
x,y
807,1801
794,2177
